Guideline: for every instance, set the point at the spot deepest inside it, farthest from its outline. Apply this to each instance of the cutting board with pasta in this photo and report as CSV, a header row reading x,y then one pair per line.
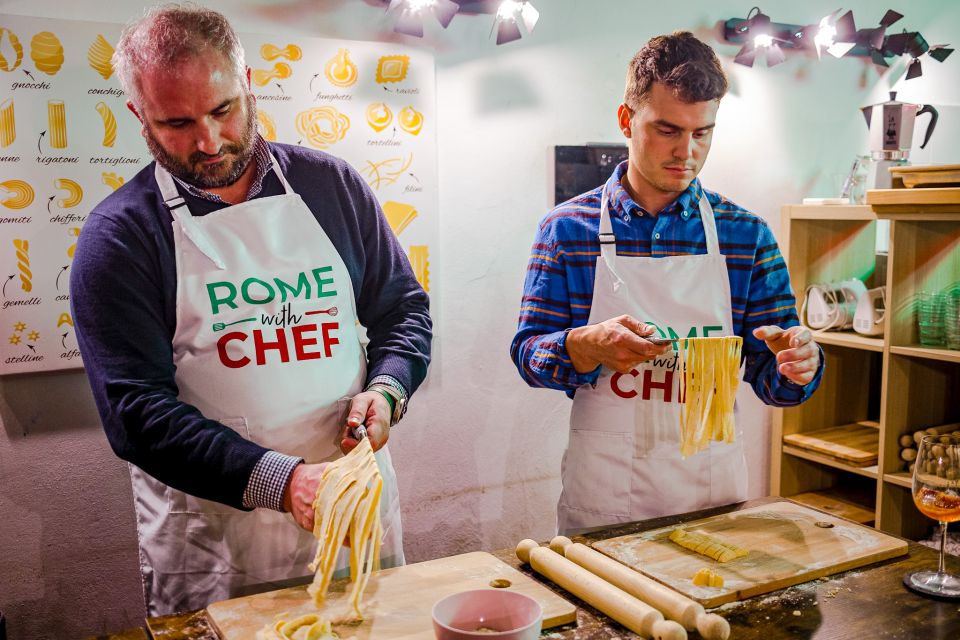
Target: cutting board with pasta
x,y
397,602
788,543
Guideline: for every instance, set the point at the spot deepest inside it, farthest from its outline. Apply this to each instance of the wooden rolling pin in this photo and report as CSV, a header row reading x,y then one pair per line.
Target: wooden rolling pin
x,y
672,604
635,615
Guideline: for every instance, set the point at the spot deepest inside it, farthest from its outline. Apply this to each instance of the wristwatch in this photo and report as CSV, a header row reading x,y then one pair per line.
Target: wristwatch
x,y
394,396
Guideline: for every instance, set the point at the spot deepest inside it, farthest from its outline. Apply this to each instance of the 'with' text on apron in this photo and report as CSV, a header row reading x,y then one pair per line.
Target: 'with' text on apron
x,y
623,460
266,343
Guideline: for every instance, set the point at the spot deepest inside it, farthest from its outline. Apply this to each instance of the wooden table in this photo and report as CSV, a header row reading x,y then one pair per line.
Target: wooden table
x,y
870,602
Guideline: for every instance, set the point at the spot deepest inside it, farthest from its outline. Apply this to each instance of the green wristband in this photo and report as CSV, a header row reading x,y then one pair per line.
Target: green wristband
x,y
390,400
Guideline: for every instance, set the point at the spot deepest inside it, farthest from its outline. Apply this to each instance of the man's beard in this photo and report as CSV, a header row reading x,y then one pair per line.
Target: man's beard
x,y
210,177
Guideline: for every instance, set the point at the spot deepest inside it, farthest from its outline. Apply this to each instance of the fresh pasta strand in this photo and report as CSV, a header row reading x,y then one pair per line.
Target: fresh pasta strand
x,y
348,505
711,374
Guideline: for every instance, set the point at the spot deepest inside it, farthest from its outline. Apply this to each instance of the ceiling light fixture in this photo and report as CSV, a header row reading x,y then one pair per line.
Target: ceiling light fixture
x,y
409,19
509,14
838,36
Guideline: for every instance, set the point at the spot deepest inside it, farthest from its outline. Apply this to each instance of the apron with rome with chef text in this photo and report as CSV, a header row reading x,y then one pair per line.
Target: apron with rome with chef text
x,y
623,459
266,343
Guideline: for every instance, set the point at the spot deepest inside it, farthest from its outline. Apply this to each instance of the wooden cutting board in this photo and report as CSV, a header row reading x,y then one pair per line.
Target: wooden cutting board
x,y
786,547
855,444
397,602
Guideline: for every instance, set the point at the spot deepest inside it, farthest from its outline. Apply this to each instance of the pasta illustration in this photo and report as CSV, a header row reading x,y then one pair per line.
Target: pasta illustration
x,y
410,120
23,264
46,52
109,124
268,128
340,70
398,215
392,68
379,116
280,71
57,121
271,52
14,44
74,232
419,260
8,125
74,192
21,194
111,179
322,126
98,55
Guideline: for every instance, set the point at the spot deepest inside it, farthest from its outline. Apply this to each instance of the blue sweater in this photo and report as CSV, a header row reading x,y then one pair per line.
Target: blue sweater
x,y
124,285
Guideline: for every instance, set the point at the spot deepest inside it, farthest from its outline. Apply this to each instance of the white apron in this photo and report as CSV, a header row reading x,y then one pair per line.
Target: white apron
x,y
623,460
259,348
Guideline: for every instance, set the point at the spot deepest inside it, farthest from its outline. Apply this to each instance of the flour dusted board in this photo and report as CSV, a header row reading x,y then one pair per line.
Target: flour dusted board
x,y
397,602
67,141
787,543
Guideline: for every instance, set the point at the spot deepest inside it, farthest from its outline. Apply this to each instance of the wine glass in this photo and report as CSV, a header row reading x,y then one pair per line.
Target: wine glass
x,y
936,492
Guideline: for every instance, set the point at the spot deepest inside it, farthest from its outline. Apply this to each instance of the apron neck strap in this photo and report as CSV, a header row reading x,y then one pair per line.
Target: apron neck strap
x,y
709,226
608,241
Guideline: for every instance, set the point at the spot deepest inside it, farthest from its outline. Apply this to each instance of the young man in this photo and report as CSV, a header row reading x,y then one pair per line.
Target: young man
x,y
650,252
216,297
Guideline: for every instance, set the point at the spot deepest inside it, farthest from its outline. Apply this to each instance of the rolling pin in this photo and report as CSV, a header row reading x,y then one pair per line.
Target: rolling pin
x,y
635,615
672,604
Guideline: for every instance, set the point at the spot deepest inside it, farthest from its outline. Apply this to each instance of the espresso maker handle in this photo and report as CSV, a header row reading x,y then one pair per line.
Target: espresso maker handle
x,y
934,115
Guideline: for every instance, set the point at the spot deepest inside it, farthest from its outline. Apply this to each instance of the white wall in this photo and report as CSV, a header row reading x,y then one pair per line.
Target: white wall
x,y
478,455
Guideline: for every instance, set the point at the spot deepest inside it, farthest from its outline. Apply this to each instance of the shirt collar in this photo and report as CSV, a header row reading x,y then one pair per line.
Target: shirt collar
x,y
687,203
261,156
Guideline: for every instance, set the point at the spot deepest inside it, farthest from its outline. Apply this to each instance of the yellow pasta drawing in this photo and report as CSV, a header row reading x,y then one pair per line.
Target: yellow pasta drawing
x,y
271,52
392,68
398,215
74,192
10,43
322,126
73,232
8,124
111,179
410,120
57,122
46,52
19,194
386,172
99,55
268,128
379,116
280,71
348,504
109,124
23,263
420,261
340,70
710,369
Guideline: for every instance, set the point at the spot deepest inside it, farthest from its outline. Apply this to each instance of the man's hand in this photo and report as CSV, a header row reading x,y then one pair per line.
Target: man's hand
x,y
301,491
373,410
616,343
798,357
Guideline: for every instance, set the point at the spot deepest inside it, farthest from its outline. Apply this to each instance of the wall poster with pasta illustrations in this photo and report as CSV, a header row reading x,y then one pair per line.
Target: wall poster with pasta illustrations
x,y
67,141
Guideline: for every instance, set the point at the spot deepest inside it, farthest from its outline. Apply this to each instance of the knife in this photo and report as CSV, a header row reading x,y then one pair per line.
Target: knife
x,y
658,341
359,432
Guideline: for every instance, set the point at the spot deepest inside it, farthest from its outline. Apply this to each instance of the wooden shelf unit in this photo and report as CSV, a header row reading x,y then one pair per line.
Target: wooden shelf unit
x,y
891,381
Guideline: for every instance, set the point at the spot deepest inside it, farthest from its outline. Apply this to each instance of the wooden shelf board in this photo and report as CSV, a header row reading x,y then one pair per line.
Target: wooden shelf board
x,y
933,353
868,472
875,424
837,212
926,197
848,339
902,479
837,503
854,444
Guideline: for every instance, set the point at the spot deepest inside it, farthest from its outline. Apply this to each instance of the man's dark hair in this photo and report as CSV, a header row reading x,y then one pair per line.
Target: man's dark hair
x,y
680,62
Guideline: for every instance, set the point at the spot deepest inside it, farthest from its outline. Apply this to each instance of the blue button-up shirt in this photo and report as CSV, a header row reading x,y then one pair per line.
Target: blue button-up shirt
x,y
558,291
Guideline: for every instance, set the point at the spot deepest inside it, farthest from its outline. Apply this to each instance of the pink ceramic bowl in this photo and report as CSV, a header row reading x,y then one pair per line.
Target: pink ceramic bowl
x,y
487,613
